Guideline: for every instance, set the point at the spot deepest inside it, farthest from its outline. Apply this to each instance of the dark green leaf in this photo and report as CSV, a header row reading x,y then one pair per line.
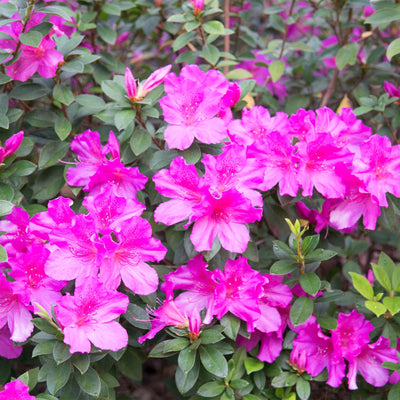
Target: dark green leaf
x,y
192,154
213,361
58,376
309,243
62,127
48,183
320,255
301,310
31,38
61,352
45,326
394,393
161,159
63,94
176,344
123,118
211,389
52,153
384,16
89,382
310,282
140,141
30,377
186,359
90,101
184,382
29,91
44,348
211,54
211,336
105,31
5,207
137,317
182,40
347,55
283,267
131,362
231,325
303,389
81,362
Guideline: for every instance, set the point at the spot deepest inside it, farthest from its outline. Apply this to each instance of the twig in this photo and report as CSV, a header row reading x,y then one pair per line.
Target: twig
x,y
286,29
330,90
226,37
390,128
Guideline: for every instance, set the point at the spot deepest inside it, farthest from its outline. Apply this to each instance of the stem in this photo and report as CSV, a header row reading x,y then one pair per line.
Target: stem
x,y
330,90
226,37
202,34
390,128
286,29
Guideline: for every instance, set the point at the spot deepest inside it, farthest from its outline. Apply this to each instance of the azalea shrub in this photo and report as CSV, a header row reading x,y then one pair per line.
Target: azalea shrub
x,y
212,183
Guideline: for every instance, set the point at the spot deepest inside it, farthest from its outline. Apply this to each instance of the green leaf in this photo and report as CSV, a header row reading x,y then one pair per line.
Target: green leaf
x,y
131,362
276,69
140,141
113,90
3,254
238,73
44,396
210,336
89,382
62,127
347,55
214,28
81,362
246,87
362,285
376,307
105,31
63,94
231,325
44,348
123,118
239,384
253,365
31,38
177,18
176,344
184,382
382,277
52,153
90,101
394,393
186,359
61,352
384,16
213,361
280,381
283,267
320,255
393,49
29,91
211,389
309,243
295,102
301,310
137,317
48,183
161,159
310,282
303,389
392,304
386,263
210,53
182,40
6,192
30,378
5,207
63,12
191,25
192,154
58,376
396,278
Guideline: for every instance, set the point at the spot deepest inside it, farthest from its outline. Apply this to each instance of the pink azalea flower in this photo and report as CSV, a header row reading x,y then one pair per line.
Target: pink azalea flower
x,y
11,145
89,317
192,102
255,125
139,92
76,251
43,59
391,90
238,290
198,6
198,285
126,257
108,210
378,167
302,125
170,314
14,312
318,161
224,217
7,347
16,390
31,281
181,183
277,157
232,169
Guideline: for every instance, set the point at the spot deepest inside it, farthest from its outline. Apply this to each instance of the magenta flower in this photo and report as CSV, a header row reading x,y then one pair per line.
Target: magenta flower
x,y
378,167
318,161
43,59
391,90
88,317
139,92
198,6
16,390
14,312
233,170
170,314
11,145
224,217
7,347
198,285
31,281
255,125
190,107
237,291
181,183
126,257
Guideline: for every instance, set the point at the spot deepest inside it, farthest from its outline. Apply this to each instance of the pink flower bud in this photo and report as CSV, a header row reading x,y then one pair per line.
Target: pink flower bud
x,y
130,85
198,6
